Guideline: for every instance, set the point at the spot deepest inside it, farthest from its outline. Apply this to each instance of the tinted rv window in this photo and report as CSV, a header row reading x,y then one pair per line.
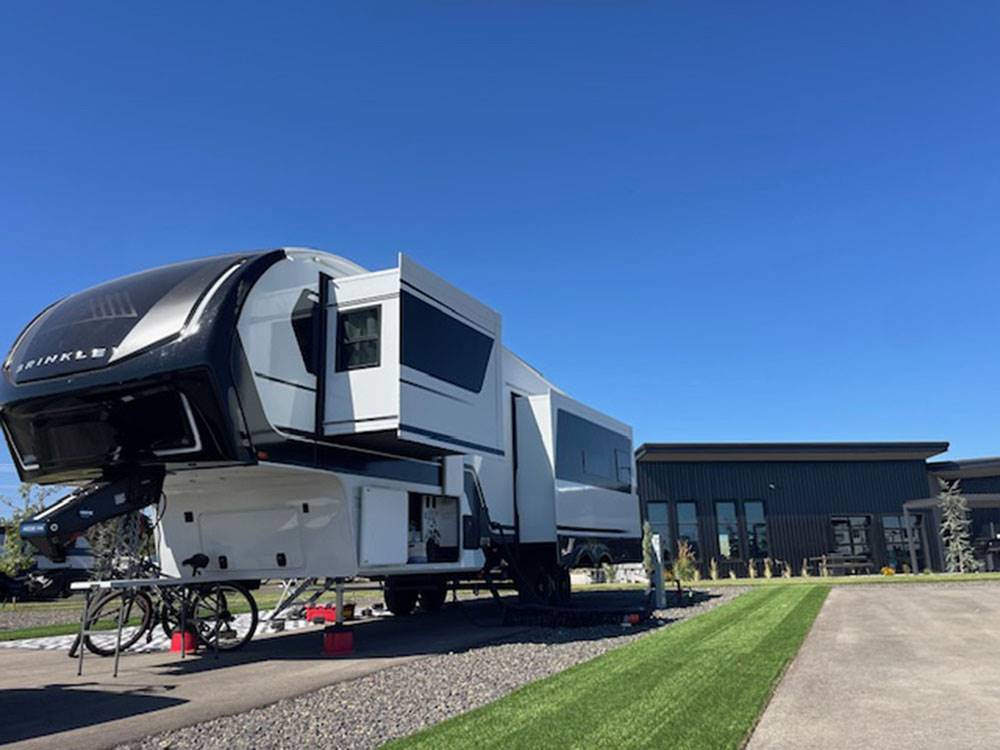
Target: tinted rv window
x,y
591,454
358,339
445,348
304,326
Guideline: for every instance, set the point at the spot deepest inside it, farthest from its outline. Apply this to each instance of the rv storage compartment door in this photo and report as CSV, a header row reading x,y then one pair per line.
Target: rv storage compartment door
x,y
413,365
252,539
383,527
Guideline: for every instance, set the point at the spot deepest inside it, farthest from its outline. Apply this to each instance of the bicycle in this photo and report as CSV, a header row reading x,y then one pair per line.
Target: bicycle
x,y
212,611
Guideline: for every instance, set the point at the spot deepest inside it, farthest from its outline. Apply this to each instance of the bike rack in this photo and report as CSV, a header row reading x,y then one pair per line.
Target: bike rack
x,y
129,587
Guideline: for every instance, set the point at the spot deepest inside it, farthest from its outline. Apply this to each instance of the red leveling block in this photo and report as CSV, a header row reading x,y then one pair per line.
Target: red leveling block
x,y
188,641
337,641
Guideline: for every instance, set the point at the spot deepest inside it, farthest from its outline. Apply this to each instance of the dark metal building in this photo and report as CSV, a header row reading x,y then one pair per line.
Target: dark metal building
x,y
739,503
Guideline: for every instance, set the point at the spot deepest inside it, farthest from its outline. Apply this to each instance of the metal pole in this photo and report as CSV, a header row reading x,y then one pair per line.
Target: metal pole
x,y
183,621
218,618
118,636
661,594
83,630
340,602
909,540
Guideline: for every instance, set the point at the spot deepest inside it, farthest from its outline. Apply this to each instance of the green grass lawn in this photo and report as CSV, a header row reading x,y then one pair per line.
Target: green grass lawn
x,y
699,684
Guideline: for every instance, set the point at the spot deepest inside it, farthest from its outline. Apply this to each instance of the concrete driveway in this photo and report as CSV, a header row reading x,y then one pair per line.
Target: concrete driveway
x,y
43,703
893,666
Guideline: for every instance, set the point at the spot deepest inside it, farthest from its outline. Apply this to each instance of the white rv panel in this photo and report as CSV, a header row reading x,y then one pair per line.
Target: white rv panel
x,y
536,510
364,399
383,527
209,511
253,539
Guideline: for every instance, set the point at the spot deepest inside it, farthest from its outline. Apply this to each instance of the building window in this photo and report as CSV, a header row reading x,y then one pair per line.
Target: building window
x,y
358,339
758,546
727,525
851,535
897,549
687,526
658,515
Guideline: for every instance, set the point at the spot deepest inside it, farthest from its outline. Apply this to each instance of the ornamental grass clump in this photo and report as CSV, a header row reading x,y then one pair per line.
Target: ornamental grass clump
x,y
684,567
768,568
713,570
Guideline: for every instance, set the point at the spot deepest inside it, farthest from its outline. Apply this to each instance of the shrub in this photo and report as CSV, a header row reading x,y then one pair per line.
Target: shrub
x,y
805,568
887,571
786,570
713,570
768,570
752,568
684,567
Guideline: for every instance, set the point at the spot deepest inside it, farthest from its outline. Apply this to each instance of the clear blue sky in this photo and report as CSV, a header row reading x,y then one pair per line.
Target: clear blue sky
x,y
716,221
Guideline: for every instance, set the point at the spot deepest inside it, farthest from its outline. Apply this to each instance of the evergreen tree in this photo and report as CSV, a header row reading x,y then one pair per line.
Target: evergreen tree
x,y
955,524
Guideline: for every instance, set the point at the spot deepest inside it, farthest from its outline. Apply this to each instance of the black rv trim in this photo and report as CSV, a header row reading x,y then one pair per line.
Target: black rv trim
x,y
591,529
449,439
321,351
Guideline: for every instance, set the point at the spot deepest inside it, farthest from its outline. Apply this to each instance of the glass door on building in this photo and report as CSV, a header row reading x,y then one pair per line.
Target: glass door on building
x,y
897,549
852,535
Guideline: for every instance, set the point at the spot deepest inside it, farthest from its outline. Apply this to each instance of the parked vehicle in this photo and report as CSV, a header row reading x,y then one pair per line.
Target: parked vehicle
x,y
301,417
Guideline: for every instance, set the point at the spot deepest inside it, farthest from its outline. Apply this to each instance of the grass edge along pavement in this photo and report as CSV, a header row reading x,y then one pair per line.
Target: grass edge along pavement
x,y
854,580
653,692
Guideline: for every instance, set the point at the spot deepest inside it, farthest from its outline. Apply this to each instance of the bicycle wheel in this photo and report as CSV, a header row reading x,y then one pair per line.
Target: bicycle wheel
x,y
224,615
104,616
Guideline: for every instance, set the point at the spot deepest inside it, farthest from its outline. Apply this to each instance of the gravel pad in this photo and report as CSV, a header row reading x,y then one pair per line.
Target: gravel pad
x,y
371,710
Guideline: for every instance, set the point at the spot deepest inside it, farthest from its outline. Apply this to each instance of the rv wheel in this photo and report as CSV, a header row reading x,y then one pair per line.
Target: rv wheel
x,y
537,586
400,601
563,588
432,599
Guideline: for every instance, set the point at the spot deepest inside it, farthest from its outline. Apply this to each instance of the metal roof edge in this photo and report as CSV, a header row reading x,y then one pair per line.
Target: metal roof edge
x,y
826,451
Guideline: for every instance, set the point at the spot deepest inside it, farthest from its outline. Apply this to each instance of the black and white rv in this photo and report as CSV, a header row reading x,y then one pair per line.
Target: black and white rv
x,y
298,416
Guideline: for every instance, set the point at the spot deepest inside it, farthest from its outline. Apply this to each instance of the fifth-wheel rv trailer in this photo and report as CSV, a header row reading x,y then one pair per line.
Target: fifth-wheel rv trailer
x,y
296,416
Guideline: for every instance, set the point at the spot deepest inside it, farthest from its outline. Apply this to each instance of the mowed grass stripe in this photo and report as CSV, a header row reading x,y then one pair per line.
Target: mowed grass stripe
x,y
699,684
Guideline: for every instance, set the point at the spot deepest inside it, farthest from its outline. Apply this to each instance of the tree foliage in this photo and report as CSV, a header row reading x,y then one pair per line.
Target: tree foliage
x,y
955,523
18,556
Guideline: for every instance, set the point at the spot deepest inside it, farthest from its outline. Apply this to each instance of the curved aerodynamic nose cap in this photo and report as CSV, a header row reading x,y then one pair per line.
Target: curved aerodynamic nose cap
x,y
96,327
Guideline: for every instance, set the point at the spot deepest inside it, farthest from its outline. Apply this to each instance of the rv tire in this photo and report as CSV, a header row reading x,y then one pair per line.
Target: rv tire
x,y
433,598
400,601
